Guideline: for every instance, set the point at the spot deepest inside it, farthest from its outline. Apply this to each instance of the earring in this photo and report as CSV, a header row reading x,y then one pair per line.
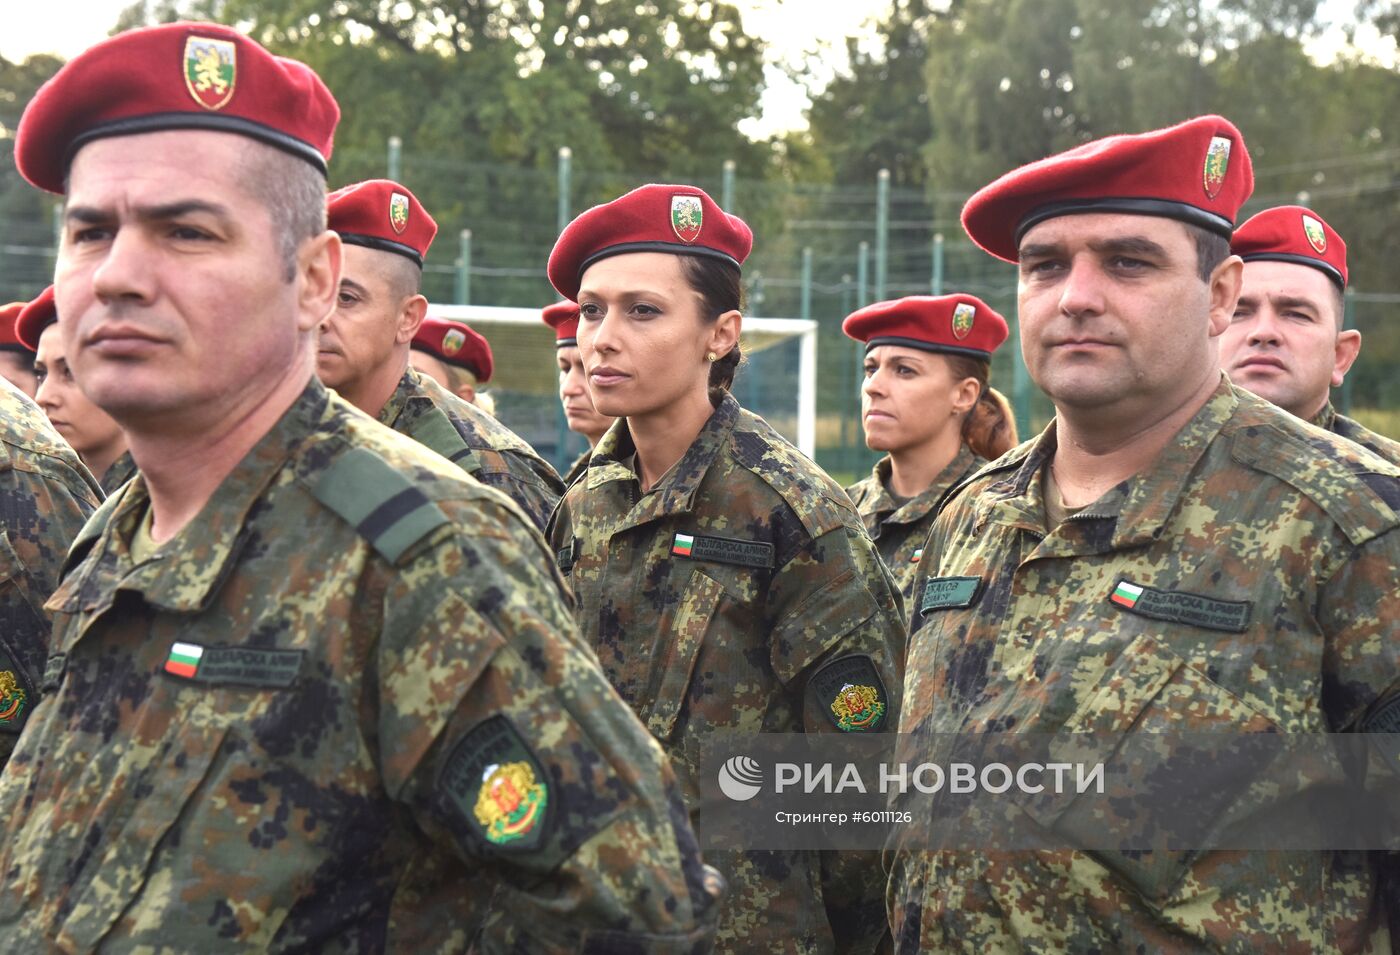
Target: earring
x,y
712,356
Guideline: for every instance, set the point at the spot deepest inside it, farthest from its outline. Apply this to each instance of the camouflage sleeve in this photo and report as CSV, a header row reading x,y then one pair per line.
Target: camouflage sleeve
x,y
1359,613
40,515
528,481
840,637
502,736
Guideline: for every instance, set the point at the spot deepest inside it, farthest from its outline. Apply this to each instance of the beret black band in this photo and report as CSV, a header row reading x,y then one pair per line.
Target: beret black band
x,y
672,248
1162,208
155,122
927,346
1326,268
382,245
565,342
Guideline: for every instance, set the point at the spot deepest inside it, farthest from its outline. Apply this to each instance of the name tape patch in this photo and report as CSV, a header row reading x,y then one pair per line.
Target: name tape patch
x,y
942,593
1178,606
723,550
242,666
564,557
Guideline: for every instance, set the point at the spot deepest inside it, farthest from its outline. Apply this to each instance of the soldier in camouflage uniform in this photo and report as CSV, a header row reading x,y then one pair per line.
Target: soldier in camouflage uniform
x,y
579,412
46,494
305,676
363,350
92,432
16,360
1287,343
1171,553
723,579
926,401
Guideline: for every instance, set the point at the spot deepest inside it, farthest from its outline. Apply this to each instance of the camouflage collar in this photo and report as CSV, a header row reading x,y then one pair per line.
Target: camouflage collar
x,y
186,571
1326,419
1139,506
407,388
882,504
675,493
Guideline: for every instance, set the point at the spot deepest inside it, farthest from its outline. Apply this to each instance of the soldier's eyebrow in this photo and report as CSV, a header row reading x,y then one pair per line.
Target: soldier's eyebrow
x,y
1293,301
1040,250
93,215
1129,245
355,287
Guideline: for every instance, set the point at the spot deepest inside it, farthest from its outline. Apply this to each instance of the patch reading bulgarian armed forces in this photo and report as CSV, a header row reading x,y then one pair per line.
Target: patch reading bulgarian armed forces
x,y
494,783
849,690
723,550
240,666
1177,606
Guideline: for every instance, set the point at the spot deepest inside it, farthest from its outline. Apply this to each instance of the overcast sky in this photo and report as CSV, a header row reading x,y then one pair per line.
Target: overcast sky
x,y
789,27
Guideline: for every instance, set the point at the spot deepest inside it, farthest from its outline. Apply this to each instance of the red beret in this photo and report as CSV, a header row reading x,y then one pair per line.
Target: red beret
x,y
681,220
1293,234
34,318
1197,172
563,318
958,324
457,344
175,76
381,214
9,341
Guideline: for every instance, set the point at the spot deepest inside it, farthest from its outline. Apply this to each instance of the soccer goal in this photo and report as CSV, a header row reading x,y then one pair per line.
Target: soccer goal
x,y
778,379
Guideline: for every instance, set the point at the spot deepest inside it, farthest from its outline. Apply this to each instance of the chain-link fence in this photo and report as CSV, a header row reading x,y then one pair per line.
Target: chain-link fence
x,y
820,252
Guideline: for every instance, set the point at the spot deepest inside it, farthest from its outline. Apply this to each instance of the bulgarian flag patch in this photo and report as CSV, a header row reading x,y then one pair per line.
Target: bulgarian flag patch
x,y
1126,594
183,660
683,545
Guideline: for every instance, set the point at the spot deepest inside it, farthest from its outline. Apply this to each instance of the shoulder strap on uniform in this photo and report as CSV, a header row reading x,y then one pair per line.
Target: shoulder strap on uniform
x,y
378,501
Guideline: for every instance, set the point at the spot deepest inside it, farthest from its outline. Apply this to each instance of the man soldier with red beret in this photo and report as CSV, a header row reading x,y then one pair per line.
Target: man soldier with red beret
x,y
1172,555
582,417
453,354
16,361
363,348
305,677
1286,343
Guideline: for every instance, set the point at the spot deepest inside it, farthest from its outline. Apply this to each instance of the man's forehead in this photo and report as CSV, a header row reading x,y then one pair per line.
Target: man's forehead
x,y
207,161
1285,280
1083,229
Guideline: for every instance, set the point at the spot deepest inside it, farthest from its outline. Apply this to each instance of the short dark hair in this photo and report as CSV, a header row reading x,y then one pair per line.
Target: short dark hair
x,y
294,192
1212,248
720,287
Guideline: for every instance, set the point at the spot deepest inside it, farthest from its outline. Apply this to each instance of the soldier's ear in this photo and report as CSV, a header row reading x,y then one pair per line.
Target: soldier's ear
x,y
411,315
1225,282
1347,348
318,276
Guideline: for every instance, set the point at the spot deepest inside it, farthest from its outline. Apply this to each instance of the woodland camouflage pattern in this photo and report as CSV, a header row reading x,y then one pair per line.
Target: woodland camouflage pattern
x,y
697,645
899,531
45,497
312,802
474,441
1245,504
1328,420
120,471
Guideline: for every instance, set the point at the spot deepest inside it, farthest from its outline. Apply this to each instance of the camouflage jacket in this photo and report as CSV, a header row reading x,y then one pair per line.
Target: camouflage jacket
x,y
474,441
899,530
1287,538
45,497
740,594
120,471
1328,420
577,468
299,725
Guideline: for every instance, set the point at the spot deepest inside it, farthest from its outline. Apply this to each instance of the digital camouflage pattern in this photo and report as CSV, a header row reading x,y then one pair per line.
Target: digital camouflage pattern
x,y
1297,531
120,471
276,733
474,441
46,495
1328,420
899,530
576,469
717,601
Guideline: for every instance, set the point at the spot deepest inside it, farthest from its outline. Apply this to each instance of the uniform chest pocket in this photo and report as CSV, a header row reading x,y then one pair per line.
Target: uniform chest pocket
x,y
677,660
1182,744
